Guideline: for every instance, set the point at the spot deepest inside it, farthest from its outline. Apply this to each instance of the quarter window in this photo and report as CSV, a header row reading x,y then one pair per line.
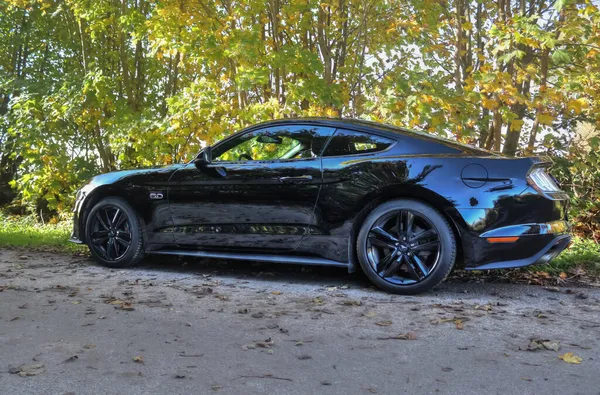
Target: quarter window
x,y
349,142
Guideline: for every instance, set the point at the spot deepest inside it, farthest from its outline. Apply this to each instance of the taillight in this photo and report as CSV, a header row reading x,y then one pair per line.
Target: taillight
x,y
542,181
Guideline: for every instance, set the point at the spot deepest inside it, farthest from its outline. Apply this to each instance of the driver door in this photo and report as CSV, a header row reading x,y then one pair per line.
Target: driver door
x,y
258,193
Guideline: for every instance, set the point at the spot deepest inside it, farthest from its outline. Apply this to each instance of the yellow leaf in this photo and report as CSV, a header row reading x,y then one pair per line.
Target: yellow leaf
x,y
138,359
490,104
516,125
467,26
576,105
459,324
545,119
571,358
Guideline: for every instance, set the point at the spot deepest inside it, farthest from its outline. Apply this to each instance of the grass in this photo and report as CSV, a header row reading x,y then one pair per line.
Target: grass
x,y
583,254
27,232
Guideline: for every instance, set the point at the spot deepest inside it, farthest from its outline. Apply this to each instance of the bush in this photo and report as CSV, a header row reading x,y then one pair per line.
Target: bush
x,y
579,175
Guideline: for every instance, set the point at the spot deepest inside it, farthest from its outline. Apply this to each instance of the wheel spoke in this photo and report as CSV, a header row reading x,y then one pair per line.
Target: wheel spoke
x,y
101,221
424,235
393,267
408,224
420,265
115,247
123,242
126,236
108,219
429,246
99,237
116,217
383,238
385,263
399,224
109,249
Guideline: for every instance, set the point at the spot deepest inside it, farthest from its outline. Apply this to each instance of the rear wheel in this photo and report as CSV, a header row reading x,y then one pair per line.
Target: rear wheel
x,y
113,233
406,247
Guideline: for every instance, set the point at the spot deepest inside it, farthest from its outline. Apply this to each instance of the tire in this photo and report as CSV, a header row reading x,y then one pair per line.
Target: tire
x,y
407,261
106,240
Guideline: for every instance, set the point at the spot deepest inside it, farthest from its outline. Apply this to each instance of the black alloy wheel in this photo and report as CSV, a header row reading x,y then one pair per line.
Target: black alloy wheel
x,y
406,246
113,233
403,247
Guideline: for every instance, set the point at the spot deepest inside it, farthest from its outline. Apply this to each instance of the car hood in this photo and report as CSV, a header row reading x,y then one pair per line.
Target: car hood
x,y
123,175
158,175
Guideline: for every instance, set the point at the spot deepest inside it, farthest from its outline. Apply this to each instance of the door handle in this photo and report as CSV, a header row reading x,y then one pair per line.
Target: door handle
x,y
297,179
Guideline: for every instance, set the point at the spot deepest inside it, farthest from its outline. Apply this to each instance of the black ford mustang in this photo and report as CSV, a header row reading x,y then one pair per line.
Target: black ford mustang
x,y
403,206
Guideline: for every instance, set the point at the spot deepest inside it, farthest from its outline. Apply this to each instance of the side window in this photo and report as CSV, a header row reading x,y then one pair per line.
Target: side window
x,y
277,143
348,142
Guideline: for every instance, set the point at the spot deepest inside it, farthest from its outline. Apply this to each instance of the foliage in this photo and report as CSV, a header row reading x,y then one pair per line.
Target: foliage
x,y
94,86
579,174
582,254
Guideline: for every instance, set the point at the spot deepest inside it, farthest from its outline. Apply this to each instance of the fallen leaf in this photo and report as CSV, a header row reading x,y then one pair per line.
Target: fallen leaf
x,y
125,306
72,359
318,300
276,292
89,346
28,370
247,347
369,314
352,303
569,357
541,344
384,323
138,359
459,324
402,336
551,345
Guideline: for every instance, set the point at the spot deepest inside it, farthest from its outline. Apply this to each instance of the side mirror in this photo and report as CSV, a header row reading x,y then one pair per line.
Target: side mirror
x,y
204,158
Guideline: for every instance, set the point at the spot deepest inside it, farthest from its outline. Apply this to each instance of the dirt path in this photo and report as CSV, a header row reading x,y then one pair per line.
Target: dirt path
x,y
207,327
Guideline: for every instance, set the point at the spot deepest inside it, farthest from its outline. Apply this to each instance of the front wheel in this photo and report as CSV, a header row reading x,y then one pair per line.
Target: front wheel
x,y
114,234
406,247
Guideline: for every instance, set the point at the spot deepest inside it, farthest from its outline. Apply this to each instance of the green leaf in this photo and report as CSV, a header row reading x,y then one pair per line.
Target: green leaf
x,y
560,56
560,4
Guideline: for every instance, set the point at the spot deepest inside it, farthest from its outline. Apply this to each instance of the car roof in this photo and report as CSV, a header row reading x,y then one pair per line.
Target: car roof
x,y
377,128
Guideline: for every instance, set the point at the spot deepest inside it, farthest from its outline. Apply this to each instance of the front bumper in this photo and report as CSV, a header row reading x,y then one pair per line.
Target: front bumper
x,y
535,244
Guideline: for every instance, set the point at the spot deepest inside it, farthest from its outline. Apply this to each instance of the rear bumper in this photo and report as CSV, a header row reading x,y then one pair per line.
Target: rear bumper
x,y
549,252
536,244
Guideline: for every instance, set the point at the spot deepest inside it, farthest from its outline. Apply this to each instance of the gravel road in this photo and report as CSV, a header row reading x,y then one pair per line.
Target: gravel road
x,y
171,326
